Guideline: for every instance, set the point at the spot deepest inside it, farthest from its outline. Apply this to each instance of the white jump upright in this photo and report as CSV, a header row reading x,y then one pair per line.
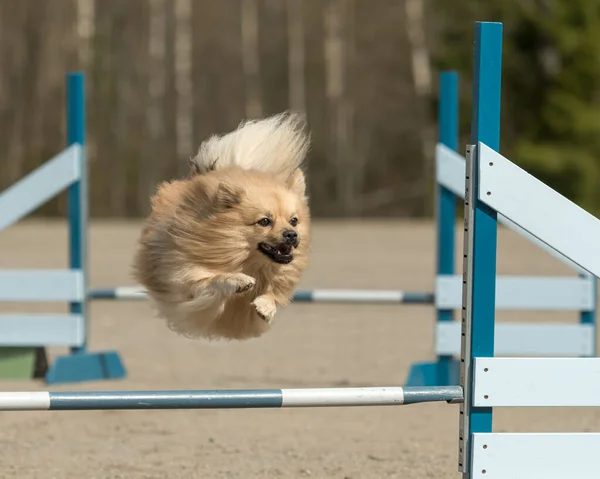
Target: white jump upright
x,y
497,188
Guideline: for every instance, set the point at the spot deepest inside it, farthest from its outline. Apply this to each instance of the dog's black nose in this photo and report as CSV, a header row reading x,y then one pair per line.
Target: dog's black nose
x,y
290,236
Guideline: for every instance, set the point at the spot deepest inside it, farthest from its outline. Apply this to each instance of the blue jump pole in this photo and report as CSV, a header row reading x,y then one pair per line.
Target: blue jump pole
x,y
446,203
479,269
77,197
81,365
445,369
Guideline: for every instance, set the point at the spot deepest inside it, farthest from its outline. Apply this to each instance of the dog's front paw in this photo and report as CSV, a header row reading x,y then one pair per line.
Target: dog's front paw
x,y
242,282
236,283
265,307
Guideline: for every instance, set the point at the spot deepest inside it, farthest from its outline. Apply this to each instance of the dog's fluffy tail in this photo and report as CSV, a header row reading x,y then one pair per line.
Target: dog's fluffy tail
x,y
277,144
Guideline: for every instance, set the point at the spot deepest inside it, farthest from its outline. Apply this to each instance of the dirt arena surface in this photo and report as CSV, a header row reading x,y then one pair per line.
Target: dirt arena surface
x,y
311,345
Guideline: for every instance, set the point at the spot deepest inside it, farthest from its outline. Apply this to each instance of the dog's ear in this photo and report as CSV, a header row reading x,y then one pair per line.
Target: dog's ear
x,y
297,183
227,196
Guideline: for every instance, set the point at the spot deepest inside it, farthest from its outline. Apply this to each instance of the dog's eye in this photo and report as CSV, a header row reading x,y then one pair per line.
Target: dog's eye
x,y
264,222
294,221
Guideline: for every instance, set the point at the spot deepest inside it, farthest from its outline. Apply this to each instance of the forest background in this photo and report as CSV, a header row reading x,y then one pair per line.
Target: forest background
x,y
162,75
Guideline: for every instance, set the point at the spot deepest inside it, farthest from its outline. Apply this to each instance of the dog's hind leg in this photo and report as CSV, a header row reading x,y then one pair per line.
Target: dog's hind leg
x,y
265,307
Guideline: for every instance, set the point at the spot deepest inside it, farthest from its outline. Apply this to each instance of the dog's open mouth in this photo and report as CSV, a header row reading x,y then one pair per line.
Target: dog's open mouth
x,y
280,253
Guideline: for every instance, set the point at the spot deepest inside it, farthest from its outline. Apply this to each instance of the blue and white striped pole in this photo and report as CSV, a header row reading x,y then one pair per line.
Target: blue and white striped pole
x,y
479,264
127,293
226,399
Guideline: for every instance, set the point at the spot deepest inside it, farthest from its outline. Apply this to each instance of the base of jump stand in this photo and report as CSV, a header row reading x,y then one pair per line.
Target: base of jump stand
x,y
445,372
80,367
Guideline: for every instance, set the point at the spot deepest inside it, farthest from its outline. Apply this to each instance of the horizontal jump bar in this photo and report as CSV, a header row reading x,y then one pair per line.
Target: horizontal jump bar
x,y
226,399
313,296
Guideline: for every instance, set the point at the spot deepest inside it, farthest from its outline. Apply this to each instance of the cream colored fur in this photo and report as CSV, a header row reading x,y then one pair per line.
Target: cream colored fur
x,y
198,254
276,145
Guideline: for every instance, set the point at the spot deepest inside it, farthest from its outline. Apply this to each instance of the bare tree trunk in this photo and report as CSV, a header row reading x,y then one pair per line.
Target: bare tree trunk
x,y
156,94
250,58
422,80
335,65
35,137
119,124
86,27
183,82
85,30
18,88
320,165
296,56
356,170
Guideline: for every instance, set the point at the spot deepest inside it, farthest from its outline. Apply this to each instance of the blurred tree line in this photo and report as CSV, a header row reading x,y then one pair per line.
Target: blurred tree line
x,y
162,75
550,85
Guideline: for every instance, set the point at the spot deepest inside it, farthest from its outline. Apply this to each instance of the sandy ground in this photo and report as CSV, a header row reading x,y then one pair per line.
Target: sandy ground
x,y
310,345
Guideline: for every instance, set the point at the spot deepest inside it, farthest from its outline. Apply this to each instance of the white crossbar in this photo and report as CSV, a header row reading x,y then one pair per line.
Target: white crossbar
x,y
450,169
357,295
524,339
450,173
536,456
39,186
540,382
524,293
41,285
25,330
538,209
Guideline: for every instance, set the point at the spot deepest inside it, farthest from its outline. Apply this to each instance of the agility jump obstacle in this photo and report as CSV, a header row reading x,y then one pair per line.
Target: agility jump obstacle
x,y
524,293
17,359
497,187
494,187
24,336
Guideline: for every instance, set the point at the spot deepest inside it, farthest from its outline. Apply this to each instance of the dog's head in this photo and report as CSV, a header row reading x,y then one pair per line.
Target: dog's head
x,y
244,217
278,220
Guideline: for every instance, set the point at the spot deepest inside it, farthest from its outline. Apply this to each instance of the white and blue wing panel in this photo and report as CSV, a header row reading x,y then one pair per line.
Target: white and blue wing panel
x,y
536,382
41,285
542,293
39,186
535,455
33,330
450,173
538,209
524,339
